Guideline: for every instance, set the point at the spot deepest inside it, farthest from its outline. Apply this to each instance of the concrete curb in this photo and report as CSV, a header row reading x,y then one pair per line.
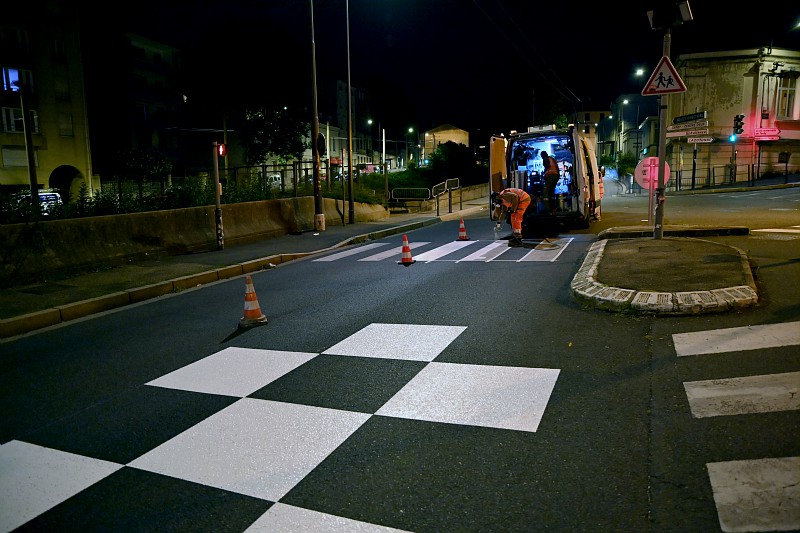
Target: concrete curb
x,y
587,289
20,325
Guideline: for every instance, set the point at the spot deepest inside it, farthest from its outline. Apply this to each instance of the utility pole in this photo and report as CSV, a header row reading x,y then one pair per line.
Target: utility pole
x,y
26,126
319,213
352,205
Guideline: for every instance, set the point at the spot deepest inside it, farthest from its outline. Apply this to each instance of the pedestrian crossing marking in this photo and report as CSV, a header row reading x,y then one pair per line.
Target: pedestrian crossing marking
x,y
393,253
352,251
737,339
757,495
548,250
744,395
441,251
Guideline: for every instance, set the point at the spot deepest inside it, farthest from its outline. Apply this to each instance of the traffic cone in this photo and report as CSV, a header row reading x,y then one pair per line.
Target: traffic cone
x,y
252,311
406,259
462,232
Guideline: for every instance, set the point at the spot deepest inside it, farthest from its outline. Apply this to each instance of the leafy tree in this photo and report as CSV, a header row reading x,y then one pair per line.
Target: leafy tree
x,y
451,160
279,132
144,162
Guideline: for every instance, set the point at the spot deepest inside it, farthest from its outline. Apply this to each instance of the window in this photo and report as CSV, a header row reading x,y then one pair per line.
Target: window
x,y
14,39
12,120
65,125
787,91
13,78
59,51
17,156
61,89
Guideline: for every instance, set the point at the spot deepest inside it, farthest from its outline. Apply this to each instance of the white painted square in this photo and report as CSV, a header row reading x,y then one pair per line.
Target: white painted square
x,y
397,341
254,447
757,495
233,371
744,395
282,517
476,395
34,479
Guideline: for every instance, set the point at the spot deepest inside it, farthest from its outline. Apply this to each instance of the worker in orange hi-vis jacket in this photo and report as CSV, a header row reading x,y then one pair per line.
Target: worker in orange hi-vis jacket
x,y
515,200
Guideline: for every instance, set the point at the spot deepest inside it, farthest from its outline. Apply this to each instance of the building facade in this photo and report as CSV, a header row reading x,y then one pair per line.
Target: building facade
x,y
42,70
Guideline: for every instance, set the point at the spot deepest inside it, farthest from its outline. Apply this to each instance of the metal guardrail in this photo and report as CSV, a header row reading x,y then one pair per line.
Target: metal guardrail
x,y
411,193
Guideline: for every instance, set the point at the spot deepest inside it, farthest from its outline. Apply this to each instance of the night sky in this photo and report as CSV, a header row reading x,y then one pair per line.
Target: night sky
x,y
489,65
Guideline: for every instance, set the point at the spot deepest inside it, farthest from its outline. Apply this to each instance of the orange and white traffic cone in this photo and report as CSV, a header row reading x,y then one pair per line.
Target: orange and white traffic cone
x,y
406,259
462,232
252,311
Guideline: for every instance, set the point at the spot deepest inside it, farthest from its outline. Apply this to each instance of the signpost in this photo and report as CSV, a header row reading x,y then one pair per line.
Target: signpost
x,y
695,140
647,176
765,132
688,133
688,125
690,117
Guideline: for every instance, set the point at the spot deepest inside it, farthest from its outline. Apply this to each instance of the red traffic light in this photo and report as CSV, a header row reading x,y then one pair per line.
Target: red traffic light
x,y
222,149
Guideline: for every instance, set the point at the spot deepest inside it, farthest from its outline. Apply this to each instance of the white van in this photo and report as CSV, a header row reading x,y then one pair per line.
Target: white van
x,y
515,162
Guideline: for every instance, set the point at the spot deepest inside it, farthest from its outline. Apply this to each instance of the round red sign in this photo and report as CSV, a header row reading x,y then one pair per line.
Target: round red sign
x,y
647,170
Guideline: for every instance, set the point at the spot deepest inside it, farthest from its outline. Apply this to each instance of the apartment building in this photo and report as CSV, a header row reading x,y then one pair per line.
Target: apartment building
x,y
42,71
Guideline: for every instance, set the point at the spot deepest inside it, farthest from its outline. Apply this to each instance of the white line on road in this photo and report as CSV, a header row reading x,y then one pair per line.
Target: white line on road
x,y
737,339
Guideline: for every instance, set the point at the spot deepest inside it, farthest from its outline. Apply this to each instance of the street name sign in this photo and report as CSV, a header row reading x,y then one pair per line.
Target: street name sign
x,y
758,132
688,125
700,115
768,138
700,139
688,133
664,80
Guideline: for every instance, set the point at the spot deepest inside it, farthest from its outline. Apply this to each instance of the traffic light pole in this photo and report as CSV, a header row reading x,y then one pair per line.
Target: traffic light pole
x,y
218,205
658,227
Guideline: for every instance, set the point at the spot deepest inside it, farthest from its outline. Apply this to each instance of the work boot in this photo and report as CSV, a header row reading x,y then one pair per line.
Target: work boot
x,y
515,242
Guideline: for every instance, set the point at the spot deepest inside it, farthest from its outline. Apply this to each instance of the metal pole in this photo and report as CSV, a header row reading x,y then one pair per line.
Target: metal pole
x,y
383,165
319,214
658,229
352,206
29,149
218,207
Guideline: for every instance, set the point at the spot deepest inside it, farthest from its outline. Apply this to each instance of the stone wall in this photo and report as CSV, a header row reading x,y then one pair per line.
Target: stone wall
x,y
31,252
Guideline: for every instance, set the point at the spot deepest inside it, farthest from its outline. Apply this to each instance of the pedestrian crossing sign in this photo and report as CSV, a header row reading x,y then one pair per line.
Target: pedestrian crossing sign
x,y
664,80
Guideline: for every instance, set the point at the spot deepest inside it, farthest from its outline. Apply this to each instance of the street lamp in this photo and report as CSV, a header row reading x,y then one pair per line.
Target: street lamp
x,y
410,131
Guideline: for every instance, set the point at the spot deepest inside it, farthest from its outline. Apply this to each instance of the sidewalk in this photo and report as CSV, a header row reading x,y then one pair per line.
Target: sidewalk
x,y
606,279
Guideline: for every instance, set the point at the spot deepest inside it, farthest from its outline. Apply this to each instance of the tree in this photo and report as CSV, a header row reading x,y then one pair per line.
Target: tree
x,y
279,132
451,160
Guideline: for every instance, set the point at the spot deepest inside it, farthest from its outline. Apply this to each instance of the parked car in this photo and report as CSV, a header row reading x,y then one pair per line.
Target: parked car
x,y
48,199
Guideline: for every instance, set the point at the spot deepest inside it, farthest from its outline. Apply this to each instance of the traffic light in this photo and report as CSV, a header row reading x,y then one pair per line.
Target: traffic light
x,y
222,149
738,124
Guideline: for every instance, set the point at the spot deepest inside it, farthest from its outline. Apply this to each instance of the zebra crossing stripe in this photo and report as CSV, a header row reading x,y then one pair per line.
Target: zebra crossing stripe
x,y
744,395
737,339
441,251
352,251
757,495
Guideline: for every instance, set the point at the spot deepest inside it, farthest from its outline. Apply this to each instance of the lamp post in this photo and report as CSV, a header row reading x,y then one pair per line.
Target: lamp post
x,y
410,131
352,205
319,214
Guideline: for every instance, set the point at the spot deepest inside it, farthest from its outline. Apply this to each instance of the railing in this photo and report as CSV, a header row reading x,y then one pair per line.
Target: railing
x,y
448,187
411,193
